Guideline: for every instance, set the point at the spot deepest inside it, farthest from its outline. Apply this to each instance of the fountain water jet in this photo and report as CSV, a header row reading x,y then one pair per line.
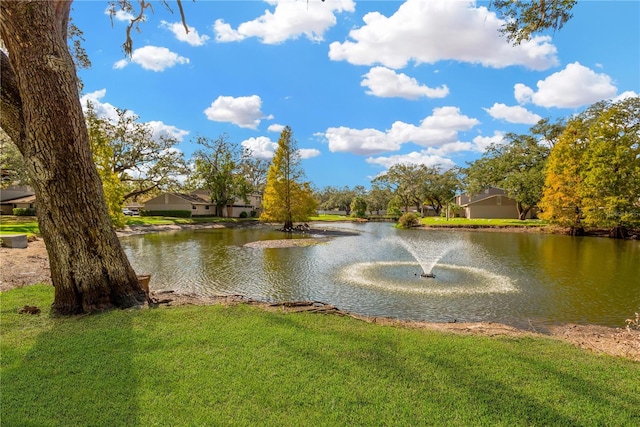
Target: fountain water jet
x,y
421,253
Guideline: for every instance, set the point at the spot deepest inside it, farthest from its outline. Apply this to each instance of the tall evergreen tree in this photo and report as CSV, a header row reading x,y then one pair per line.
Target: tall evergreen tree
x,y
286,197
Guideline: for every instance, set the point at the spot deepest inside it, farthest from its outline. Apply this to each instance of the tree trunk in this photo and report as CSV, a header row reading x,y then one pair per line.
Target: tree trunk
x,y
576,231
619,232
89,269
522,211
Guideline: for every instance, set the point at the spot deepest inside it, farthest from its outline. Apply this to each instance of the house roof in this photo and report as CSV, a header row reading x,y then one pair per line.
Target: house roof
x,y
490,196
23,199
192,198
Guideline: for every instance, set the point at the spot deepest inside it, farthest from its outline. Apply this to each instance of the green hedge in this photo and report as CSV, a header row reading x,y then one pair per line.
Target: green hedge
x,y
24,211
175,214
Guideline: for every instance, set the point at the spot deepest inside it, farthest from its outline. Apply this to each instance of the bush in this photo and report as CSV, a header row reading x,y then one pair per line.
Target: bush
x,y
175,214
409,220
243,214
24,211
394,212
254,214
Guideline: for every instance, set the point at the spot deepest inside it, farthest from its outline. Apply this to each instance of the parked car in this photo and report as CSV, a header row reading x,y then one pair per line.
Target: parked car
x,y
128,212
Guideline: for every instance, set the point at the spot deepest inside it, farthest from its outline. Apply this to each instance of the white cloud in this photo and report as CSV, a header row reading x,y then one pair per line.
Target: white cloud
x,y
414,158
522,93
120,64
440,128
153,58
483,142
224,32
260,147
359,141
436,30
120,15
307,153
386,83
449,148
263,148
513,114
102,109
625,95
244,111
177,28
161,129
275,128
109,112
572,87
289,20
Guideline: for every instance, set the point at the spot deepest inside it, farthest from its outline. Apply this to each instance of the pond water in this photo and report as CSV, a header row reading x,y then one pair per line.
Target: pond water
x,y
513,278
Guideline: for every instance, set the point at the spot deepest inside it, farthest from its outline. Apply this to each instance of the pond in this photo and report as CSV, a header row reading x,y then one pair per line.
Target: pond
x,y
514,278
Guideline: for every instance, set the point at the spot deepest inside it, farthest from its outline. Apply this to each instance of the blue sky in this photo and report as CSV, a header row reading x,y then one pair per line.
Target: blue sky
x,y
363,84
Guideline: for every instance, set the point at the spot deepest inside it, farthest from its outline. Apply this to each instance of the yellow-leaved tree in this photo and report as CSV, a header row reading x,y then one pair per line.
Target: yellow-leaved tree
x,y
286,198
561,202
102,151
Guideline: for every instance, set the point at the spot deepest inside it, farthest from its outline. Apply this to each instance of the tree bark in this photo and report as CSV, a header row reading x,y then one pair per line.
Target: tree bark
x,y
619,232
89,269
522,211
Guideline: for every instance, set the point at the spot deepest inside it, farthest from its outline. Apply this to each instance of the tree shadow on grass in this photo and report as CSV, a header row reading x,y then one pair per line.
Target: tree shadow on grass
x,y
78,372
425,379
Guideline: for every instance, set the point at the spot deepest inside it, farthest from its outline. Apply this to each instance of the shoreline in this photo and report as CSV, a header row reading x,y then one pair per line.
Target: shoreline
x,y
545,229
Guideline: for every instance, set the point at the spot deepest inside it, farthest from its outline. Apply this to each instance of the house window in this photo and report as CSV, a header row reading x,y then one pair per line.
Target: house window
x,y
193,207
499,200
206,207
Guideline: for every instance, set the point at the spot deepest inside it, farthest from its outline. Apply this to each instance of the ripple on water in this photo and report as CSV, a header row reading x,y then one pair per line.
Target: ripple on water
x,y
399,276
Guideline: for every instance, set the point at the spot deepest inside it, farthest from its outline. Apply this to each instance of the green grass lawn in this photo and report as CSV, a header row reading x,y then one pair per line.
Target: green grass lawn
x,y
29,225
478,222
214,365
18,225
164,220
330,218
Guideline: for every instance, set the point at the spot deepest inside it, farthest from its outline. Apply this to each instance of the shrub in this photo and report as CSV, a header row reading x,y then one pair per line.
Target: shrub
x,y
359,207
243,214
24,211
254,214
175,214
409,220
394,212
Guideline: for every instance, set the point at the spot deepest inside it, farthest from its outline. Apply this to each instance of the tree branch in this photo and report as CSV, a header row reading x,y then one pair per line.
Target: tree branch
x,y
12,118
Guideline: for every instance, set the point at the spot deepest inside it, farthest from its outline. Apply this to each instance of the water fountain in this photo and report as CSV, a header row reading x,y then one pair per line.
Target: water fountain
x,y
423,252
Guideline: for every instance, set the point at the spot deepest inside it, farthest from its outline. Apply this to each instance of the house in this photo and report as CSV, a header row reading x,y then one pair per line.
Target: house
x,y
16,196
180,202
199,204
493,202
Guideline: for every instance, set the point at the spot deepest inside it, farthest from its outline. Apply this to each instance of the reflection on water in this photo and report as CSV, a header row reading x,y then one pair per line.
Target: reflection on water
x,y
513,278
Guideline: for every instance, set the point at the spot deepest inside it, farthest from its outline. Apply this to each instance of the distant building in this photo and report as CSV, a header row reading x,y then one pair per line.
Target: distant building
x,y
16,196
199,204
491,203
